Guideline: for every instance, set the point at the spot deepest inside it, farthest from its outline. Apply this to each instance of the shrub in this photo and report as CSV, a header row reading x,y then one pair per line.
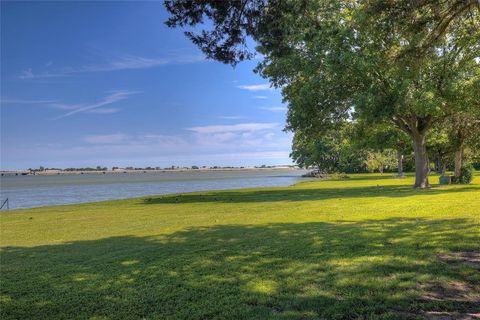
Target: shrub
x,y
476,165
466,175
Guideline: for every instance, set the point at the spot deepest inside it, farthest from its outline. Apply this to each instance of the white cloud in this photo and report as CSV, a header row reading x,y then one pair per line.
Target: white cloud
x,y
28,74
241,127
260,97
218,138
275,109
184,148
134,140
106,139
94,107
61,106
104,110
230,117
255,87
124,62
201,140
162,139
269,136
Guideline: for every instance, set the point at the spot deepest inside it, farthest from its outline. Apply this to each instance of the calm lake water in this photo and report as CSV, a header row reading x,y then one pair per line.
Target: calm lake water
x,y
36,191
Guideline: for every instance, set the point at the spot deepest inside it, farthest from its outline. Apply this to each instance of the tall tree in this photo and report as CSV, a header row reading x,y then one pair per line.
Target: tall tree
x,y
392,60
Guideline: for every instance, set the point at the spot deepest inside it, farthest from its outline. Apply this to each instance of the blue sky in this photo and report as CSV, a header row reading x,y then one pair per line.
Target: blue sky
x,y
107,83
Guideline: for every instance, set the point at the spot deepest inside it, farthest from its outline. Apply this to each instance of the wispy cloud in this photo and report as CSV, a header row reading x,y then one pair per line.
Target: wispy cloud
x,y
120,148
124,62
195,143
135,140
106,139
28,74
260,97
61,106
241,127
231,117
275,109
105,110
137,62
94,107
255,87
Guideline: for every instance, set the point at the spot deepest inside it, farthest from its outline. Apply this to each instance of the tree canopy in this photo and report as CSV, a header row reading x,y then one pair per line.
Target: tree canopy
x,y
409,63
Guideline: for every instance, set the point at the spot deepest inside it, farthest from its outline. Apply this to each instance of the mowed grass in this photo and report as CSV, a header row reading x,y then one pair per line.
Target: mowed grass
x,y
364,248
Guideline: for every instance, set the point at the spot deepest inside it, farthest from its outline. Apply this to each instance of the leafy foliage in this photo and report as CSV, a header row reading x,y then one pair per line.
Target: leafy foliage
x,y
379,161
466,175
234,21
410,63
345,149
440,148
330,152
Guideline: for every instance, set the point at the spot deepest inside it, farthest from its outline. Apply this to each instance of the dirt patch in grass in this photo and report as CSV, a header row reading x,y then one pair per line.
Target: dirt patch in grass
x,y
462,298
451,291
452,316
467,257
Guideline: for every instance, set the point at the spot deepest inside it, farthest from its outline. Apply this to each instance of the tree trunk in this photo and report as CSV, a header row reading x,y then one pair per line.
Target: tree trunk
x,y
400,163
416,127
458,161
421,161
440,166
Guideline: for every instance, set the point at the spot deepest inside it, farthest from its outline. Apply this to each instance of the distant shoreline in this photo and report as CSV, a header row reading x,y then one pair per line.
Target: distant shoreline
x,y
124,171
66,188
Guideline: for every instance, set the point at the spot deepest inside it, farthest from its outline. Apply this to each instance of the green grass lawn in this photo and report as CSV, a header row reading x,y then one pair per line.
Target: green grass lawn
x,y
370,247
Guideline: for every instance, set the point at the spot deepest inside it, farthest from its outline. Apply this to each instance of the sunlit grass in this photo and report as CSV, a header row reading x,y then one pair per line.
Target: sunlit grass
x,y
361,248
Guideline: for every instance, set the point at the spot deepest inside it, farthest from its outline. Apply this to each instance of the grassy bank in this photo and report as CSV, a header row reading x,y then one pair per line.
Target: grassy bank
x,y
369,247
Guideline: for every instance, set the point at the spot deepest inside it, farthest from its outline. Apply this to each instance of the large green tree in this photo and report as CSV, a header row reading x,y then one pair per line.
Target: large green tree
x,y
397,60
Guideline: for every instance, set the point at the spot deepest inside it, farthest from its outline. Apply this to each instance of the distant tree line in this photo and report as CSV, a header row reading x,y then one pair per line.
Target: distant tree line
x,y
148,168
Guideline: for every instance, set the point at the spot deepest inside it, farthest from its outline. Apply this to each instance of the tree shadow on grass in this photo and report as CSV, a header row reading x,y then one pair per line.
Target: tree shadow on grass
x,y
377,176
303,194
343,270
